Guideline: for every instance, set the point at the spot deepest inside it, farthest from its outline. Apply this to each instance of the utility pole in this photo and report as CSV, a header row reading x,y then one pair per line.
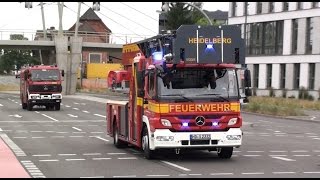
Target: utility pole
x,y
78,17
245,39
60,10
43,21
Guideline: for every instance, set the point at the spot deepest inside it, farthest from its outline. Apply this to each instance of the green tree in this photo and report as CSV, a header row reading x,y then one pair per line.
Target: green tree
x,y
204,21
182,13
12,57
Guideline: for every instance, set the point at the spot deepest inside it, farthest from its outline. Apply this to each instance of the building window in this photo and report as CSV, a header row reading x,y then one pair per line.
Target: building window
x,y
296,76
312,70
282,76
315,4
285,6
294,36
265,38
256,75
309,32
259,7
234,8
269,75
271,7
299,5
95,57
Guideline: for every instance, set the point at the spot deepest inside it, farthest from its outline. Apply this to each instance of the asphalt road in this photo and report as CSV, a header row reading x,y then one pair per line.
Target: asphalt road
x,y
72,143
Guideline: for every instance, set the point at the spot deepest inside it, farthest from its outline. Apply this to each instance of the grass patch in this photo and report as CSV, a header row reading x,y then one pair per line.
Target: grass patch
x,y
103,91
280,106
9,87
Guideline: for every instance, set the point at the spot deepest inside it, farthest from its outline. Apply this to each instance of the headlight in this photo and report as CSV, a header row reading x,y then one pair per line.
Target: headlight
x,y
34,96
165,122
164,138
233,137
232,121
56,96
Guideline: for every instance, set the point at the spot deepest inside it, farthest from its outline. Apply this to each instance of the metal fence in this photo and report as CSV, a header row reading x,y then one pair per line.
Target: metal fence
x,y
102,37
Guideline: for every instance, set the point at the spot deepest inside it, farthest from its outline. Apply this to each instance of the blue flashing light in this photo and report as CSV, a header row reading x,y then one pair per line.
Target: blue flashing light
x,y
209,47
185,124
157,57
215,123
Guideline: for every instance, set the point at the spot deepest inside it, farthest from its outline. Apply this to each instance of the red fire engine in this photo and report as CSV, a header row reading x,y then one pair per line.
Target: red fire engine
x,y
41,85
183,92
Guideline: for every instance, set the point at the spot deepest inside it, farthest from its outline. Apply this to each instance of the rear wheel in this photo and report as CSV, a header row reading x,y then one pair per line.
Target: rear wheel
x,y
116,141
225,152
148,153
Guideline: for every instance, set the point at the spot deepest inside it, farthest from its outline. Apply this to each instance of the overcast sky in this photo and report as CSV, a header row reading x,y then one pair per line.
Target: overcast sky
x,y
134,19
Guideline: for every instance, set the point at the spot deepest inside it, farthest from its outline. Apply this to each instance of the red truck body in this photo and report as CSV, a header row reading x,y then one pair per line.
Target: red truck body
x,y
41,85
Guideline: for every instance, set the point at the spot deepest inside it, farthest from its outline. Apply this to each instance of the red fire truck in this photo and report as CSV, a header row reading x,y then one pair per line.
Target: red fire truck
x,y
184,92
41,85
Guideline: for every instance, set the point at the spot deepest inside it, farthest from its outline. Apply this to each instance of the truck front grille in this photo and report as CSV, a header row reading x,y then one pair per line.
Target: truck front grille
x,y
45,88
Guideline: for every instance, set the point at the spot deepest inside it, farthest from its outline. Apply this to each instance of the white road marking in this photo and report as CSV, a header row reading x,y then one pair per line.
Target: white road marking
x,y
255,151
313,117
100,115
37,112
313,136
75,103
16,149
316,150
35,131
91,154
115,153
158,175
57,136
61,132
16,115
67,106
37,137
71,115
1,105
50,131
127,158
300,151
77,129
316,138
79,132
278,155
75,159
41,155
278,151
100,158
67,154
49,160
76,109
76,136
96,132
177,166
124,176
93,177
253,173
0,129
283,172
282,158
49,117
251,155
221,174
311,172
86,111
101,138
194,174
301,155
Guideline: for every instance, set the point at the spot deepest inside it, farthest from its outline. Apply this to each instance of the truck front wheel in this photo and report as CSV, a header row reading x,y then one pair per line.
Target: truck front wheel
x,y
29,106
148,153
24,105
57,106
225,152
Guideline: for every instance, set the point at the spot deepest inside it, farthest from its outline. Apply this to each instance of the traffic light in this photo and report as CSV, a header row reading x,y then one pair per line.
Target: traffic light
x,y
96,6
28,5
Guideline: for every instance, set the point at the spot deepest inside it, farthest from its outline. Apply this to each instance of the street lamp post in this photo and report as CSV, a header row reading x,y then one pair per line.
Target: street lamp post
x,y
165,7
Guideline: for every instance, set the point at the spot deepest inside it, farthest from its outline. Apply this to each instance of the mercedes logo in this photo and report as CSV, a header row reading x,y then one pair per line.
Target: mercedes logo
x,y
45,88
200,120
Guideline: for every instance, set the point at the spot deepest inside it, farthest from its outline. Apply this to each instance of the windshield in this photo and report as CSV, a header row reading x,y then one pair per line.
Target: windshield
x,y
200,83
45,75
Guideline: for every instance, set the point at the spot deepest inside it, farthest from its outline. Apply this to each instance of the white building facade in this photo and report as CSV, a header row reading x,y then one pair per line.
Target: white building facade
x,y
283,45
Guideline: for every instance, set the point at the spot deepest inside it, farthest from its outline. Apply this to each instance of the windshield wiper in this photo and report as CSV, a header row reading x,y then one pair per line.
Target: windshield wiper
x,y
217,95
180,96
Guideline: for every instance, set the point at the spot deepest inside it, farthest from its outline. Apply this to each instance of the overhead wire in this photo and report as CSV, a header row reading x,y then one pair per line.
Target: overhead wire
x,y
139,11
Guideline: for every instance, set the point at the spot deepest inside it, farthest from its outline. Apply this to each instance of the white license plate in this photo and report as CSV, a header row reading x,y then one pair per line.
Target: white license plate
x,y
200,136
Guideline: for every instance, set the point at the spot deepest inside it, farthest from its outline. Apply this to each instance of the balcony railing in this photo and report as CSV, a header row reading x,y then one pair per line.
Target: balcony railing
x,y
101,37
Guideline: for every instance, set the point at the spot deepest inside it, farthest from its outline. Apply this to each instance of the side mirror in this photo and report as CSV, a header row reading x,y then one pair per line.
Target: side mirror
x,y
141,93
62,73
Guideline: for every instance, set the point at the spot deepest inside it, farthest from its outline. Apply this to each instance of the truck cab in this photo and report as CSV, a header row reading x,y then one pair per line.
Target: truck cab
x,y
41,85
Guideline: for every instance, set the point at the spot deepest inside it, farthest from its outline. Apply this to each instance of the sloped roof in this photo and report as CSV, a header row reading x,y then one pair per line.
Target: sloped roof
x,y
89,15
86,27
219,15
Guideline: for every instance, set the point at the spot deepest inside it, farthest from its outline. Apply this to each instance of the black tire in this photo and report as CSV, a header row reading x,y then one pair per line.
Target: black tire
x,y
225,152
148,153
24,105
116,141
29,106
57,107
